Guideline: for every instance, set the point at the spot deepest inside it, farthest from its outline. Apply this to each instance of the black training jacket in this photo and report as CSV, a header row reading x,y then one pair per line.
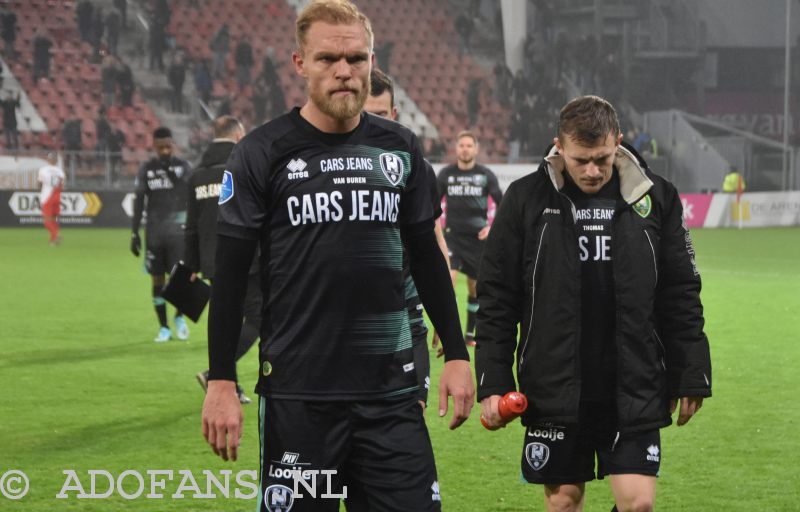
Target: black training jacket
x,y
201,215
530,279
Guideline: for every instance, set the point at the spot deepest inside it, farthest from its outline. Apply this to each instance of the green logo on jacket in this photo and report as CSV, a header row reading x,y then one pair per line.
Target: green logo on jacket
x,y
644,206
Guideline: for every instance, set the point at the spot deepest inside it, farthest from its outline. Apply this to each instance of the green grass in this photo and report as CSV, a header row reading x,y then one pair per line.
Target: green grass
x,y
84,387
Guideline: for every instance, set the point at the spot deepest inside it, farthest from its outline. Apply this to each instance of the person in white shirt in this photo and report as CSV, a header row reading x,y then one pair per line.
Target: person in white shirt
x,y
52,178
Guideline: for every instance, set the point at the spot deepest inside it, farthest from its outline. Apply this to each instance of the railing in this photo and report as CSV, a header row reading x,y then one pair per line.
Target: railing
x,y
84,169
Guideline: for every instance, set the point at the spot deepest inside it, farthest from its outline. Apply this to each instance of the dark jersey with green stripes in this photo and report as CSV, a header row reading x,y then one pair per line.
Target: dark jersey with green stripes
x,y
413,302
467,195
327,210
164,184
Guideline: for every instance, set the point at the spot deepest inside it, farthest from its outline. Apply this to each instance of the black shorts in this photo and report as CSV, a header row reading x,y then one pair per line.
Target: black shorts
x,y
465,252
380,451
563,455
162,252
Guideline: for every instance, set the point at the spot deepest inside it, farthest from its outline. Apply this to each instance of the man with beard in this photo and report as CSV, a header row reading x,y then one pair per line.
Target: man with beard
x,y
161,186
467,186
332,195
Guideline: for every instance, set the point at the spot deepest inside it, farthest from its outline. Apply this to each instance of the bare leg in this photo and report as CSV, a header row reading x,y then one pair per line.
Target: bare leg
x,y
564,497
634,493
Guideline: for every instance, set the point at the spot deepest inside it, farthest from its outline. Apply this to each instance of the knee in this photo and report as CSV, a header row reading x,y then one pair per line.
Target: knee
x,y
642,504
564,499
562,503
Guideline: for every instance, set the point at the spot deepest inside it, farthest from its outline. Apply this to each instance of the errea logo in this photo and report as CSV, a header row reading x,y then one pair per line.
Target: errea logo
x,y
436,496
652,453
296,169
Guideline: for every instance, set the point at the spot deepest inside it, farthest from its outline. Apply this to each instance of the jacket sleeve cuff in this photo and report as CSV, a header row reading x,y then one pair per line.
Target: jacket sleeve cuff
x,y
495,385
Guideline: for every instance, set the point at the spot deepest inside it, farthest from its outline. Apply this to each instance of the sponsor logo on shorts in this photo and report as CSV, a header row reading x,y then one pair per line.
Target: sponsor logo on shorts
x,y
289,473
552,434
226,190
435,489
392,167
290,458
537,455
408,367
278,498
653,453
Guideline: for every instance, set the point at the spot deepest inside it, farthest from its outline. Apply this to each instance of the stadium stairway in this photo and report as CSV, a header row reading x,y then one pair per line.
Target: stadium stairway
x,y
153,85
28,118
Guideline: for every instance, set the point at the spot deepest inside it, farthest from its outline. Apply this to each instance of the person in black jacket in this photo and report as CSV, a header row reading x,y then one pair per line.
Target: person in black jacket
x,y
200,231
589,256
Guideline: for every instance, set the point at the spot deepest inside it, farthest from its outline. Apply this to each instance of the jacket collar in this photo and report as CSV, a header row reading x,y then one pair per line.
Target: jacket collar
x,y
633,181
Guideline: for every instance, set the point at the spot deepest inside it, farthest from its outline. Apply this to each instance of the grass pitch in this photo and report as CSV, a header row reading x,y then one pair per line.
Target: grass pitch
x,y
83,387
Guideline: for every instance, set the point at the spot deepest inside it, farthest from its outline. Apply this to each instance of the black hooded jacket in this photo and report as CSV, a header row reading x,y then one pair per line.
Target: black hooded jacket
x,y
201,215
530,278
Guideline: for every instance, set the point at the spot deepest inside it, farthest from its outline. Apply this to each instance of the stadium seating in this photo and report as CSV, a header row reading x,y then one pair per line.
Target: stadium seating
x,y
425,59
73,89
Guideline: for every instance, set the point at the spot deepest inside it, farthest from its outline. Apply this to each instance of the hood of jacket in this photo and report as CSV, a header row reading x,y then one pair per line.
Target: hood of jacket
x,y
217,153
633,181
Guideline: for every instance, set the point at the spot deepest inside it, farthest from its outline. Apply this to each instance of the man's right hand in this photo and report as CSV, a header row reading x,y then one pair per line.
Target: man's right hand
x,y
222,418
490,412
136,244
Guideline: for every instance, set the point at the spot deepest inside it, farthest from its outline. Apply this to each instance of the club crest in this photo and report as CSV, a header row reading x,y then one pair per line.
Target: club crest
x,y
392,167
537,455
643,206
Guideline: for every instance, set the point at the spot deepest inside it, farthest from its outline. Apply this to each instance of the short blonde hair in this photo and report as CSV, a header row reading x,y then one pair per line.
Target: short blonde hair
x,y
329,11
467,133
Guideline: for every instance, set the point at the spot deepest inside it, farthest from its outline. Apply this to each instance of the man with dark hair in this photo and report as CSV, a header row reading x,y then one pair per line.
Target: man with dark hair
x,y
590,259
9,106
220,45
41,55
381,103
176,76
333,195
161,192
243,59
200,231
8,32
467,187
125,83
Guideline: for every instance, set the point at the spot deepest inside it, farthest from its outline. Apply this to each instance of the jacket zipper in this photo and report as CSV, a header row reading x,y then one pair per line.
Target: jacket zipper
x,y
663,350
533,297
652,249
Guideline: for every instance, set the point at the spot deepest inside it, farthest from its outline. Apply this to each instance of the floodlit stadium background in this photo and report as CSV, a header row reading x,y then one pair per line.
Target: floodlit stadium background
x,y
710,81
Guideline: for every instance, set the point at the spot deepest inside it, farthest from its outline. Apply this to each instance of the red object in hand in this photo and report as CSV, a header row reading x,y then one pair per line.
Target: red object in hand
x,y
511,405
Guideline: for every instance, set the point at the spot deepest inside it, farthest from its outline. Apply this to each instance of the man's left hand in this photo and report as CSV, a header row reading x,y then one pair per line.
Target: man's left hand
x,y
456,381
483,234
689,407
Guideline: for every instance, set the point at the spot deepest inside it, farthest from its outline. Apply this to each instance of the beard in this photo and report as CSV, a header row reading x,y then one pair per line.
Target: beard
x,y
340,109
